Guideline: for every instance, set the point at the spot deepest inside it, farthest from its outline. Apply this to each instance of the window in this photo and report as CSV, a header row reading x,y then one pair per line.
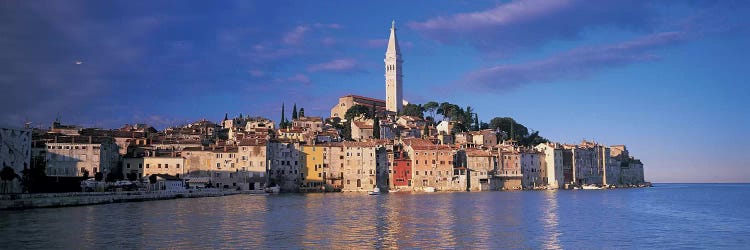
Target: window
x,y
148,165
128,165
166,165
178,165
140,165
159,165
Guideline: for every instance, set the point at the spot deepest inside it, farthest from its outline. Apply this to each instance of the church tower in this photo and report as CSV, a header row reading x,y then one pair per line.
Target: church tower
x,y
393,82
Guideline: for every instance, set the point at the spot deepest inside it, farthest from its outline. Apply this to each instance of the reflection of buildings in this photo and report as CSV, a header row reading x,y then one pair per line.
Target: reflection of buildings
x,y
551,221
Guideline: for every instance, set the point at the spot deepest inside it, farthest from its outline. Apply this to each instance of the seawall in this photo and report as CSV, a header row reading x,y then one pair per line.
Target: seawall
x,y
24,201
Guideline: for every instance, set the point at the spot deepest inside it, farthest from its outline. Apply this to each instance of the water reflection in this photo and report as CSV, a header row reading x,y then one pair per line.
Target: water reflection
x,y
498,220
551,223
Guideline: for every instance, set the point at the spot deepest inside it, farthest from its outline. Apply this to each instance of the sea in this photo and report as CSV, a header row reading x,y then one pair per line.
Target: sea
x,y
665,216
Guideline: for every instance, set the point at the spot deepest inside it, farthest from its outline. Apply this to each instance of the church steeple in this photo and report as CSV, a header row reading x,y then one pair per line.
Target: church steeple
x,y
393,76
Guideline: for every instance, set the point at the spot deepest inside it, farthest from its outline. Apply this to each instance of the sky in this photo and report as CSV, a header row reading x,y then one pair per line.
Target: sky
x,y
669,79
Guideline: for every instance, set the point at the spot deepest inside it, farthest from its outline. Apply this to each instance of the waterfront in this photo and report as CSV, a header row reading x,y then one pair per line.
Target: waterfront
x,y
665,216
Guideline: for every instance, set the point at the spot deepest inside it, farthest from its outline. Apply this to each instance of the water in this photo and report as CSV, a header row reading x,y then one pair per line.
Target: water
x,y
668,216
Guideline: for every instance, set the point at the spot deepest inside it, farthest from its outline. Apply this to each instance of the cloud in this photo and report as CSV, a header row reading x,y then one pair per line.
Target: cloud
x,y
337,65
298,78
327,25
573,64
524,24
296,35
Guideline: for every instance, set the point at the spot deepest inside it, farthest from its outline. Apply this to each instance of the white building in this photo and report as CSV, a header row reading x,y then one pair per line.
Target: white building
x,y
393,74
552,163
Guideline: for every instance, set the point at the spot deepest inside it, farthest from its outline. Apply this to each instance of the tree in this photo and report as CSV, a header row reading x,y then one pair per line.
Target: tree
x,y
376,128
132,176
425,132
484,125
99,176
301,112
282,124
431,107
476,122
355,111
34,177
294,112
7,175
85,173
413,110
152,178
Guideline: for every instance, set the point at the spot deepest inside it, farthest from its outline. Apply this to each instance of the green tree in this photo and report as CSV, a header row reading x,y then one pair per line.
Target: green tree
x,y
431,107
476,122
413,110
282,124
152,178
99,176
85,173
425,132
376,128
294,112
301,112
355,111
7,175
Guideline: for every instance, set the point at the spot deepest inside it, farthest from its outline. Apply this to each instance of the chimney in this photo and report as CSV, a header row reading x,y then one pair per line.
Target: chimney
x,y
90,139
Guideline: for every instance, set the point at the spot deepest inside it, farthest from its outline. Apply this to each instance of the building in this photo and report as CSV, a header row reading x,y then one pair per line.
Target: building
x,y
253,162
552,163
284,166
486,138
401,170
78,155
348,101
167,164
313,124
432,165
312,169
362,130
393,74
365,166
15,152
481,166
534,176
509,168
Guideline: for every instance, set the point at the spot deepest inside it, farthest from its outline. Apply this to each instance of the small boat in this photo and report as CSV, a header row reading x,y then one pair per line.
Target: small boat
x,y
375,191
591,187
429,189
273,190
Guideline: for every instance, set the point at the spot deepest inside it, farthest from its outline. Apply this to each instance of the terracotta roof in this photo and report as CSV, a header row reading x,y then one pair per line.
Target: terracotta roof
x,y
364,98
363,125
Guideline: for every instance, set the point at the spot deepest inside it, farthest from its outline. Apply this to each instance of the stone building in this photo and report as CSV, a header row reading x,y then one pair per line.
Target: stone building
x,y
284,165
362,130
432,165
348,101
75,155
401,175
509,171
481,168
168,164
552,163
393,74
486,138
333,165
365,166
534,175
15,152
253,161
309,123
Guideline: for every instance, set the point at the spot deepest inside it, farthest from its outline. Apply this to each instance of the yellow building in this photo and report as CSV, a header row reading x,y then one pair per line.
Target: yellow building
x,y
312,170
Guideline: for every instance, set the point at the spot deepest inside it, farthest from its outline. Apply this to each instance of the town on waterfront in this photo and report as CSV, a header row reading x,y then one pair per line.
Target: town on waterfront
x,y
367,145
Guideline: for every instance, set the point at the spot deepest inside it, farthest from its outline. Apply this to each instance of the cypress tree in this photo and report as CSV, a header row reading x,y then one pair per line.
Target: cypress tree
x,y
294,112
476,122
301,112
376,128
282,123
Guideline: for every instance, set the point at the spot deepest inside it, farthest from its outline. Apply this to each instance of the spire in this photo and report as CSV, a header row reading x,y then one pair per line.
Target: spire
x,y
392,41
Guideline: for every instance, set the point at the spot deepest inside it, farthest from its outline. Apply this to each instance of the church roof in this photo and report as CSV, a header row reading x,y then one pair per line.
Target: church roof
x,y
392,41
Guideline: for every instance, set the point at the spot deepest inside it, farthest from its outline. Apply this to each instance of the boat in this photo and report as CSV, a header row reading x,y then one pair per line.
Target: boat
x,y
429,189
375,191
273,190
591,187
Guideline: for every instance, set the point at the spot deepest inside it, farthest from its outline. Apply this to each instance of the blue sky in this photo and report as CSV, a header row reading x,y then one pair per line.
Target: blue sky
x,y
666,78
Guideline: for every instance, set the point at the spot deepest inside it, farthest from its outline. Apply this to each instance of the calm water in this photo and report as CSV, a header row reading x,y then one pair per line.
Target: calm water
x,y
678,216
